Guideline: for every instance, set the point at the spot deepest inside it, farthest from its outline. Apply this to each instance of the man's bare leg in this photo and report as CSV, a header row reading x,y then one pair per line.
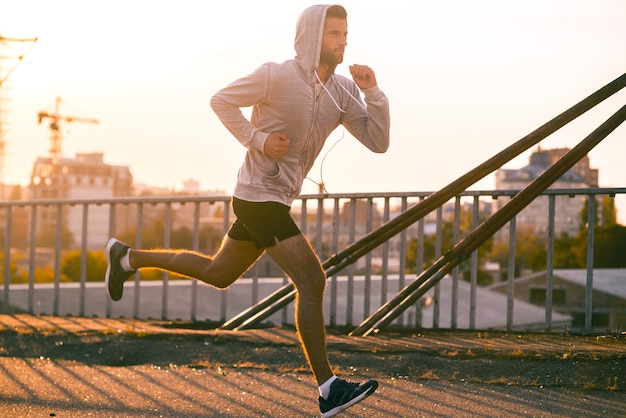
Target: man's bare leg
x,y
296,257
232,260
298,260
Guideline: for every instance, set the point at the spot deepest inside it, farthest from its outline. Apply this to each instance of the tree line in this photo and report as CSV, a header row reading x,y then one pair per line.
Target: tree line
x,y
531,249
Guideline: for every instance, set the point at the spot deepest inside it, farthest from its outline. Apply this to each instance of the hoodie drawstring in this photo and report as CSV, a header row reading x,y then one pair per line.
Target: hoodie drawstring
x,y
343,88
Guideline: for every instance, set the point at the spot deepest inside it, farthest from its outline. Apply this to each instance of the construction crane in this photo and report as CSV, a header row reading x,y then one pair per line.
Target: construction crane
x,y
8,63
56,138
15,60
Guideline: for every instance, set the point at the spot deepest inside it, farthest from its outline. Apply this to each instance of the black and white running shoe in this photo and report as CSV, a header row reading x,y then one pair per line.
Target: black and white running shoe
x,y
343,395
115,275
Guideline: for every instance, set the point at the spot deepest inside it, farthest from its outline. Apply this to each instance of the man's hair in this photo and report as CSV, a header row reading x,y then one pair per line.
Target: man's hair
x,y
337,11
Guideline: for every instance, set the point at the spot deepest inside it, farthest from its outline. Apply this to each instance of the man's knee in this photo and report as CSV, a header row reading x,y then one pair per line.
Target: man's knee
x,y
220,279
313,285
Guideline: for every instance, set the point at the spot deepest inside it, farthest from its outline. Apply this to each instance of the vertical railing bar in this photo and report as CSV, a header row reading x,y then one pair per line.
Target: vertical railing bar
x,y
368,262
456,236
351,235
196,247
166,244
402,266
224,293
303,229
31,260
419,266
7,259
304,224
550,261
335,248
57,259
285,313
474,267
319,226
384,285
138,243
419,262
83,259
254,293
511,275
438,252
108,302
303,215
591,212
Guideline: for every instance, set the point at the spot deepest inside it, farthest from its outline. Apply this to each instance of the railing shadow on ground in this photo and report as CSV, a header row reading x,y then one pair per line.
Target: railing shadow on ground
x,y
420,374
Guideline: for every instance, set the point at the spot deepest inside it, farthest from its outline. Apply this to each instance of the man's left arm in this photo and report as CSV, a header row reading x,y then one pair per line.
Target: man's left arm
x,y
371,127
363,76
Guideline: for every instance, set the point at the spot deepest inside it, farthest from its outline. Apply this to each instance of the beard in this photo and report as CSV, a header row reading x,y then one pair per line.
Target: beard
x,y
330,60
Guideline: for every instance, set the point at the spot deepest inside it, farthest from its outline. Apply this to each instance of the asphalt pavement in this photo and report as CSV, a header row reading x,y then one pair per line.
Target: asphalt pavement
x,y
105,367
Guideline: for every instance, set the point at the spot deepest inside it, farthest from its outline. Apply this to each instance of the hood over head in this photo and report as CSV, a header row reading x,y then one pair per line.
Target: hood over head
x,y
309,35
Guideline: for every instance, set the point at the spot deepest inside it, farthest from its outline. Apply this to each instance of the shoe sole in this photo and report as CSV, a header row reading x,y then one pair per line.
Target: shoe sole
x,y
107,274
347,405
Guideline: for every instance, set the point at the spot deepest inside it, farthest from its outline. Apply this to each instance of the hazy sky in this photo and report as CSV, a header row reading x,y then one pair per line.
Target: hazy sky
x,y
465,79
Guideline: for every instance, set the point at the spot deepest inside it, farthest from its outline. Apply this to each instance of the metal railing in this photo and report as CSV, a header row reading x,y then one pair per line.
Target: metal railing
x,y
415,290
332,222
358,240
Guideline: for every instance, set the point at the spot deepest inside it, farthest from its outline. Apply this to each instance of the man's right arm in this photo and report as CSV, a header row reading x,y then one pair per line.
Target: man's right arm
x,y
228,102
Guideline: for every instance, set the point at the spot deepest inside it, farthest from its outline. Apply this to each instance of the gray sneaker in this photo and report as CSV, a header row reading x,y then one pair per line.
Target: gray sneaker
x,y
343,395
115,275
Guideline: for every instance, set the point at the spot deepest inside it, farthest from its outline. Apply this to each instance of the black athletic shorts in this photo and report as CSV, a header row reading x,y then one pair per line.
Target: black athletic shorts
x,y
262,222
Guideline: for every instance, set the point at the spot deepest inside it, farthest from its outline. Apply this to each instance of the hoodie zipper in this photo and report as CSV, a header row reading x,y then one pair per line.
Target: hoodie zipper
x,y
307,143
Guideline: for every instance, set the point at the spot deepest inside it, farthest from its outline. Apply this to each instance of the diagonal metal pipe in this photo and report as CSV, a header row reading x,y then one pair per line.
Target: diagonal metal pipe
x,y
353,252
417,288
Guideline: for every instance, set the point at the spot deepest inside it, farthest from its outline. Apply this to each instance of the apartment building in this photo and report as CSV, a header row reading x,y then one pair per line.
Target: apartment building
x,y
86,176
534,218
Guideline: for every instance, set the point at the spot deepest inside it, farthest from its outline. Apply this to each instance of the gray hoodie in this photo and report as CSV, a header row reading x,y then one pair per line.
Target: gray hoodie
x,y
284,99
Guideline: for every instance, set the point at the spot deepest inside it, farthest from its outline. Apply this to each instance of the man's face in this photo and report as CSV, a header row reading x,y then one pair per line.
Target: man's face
x,y
334,41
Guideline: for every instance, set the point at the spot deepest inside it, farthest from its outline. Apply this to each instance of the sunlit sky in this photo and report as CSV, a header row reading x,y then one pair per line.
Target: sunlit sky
x,y
465,79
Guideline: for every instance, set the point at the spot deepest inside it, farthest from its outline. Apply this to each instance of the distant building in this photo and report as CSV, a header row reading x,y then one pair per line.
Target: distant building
x,y
534,217
207,214
569,295
191,187
492,313
83,177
